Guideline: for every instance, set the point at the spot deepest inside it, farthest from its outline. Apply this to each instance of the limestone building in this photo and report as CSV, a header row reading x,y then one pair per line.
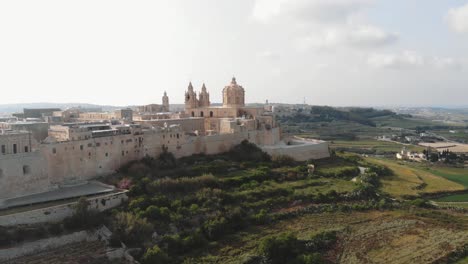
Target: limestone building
x,y
79,151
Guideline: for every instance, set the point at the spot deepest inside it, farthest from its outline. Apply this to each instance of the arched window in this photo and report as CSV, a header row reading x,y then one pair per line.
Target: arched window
x,y
211,113
193,114
201,113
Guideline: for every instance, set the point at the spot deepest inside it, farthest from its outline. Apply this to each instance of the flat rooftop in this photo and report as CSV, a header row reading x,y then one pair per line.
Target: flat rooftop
x,y
62,193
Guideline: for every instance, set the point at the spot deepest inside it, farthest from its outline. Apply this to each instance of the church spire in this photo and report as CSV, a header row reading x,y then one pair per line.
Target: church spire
x,y
190,87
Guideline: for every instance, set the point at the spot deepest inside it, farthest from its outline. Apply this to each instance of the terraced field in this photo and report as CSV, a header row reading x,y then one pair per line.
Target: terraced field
x,y
77,253
372,237
409,179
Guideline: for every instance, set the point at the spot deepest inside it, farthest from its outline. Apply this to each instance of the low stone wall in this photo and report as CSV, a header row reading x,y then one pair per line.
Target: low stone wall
x,y
60,212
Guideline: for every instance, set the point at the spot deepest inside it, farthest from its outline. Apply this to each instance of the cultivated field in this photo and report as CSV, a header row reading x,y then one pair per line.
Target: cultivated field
x,y
376,146
414,180
364,237
453,147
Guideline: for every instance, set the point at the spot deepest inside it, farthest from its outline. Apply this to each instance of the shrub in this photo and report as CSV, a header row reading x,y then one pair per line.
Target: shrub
x,y
261,217
322,241
247,151
282,161
280,249
419,202
131,229
182,185
155,255
215,228
83,217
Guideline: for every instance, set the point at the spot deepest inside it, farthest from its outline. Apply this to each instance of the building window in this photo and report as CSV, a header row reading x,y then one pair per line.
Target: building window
x,y
98,144
177,135
26,170
54,150
81,147
1,173
3,149
26,149
201,114
107,154
15,149
193,114
123,153
211,113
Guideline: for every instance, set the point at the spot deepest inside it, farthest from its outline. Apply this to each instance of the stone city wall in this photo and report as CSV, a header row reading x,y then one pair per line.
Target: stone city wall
x,y
70,162
23,173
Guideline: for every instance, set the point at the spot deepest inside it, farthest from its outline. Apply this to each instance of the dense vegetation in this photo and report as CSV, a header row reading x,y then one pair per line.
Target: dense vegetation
x,y
179,208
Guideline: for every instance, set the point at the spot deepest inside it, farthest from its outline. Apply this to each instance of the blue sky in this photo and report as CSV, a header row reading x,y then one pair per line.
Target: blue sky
x,y
333,52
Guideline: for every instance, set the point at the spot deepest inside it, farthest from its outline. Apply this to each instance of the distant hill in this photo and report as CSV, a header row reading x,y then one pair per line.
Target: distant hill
x,y
15,108
362,116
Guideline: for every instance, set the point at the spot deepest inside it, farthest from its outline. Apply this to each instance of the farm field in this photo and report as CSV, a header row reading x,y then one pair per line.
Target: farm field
x,y
364,237
414,180
335,130
459,175
453,147
373,145
407,123
454,198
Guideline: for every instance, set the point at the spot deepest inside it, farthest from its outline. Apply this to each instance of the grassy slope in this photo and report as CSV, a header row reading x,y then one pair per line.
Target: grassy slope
x,y
413,180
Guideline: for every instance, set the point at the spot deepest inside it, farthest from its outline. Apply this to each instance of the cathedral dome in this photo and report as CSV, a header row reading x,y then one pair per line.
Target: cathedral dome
x,y
233,95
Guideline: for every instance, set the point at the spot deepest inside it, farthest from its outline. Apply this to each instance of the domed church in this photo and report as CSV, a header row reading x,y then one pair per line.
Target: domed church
x,y
233,95
233,108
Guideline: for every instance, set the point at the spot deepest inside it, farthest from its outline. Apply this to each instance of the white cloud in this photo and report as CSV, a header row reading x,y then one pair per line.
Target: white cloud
x,y
458,19
371,36
324,11
355,36
411,59
325,24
